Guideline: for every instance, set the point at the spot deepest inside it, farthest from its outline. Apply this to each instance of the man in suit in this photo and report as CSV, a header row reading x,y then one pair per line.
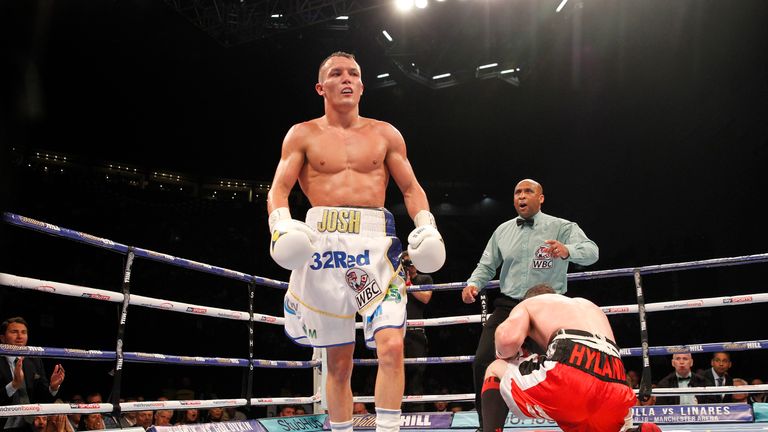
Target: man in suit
x,y
718,375
682,377
23,379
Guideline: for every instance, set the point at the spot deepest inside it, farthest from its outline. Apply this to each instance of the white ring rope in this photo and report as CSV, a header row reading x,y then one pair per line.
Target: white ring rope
x,y
137,300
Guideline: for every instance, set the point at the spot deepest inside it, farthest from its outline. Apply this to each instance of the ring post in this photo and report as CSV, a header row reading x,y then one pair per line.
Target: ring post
x,y
114,397
645,381
248,375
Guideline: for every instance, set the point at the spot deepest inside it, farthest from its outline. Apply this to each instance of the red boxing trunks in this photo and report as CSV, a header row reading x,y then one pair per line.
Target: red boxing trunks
x,y
580,384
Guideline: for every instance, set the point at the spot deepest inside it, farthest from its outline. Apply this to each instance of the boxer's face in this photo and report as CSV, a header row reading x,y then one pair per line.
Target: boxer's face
x,y
340,81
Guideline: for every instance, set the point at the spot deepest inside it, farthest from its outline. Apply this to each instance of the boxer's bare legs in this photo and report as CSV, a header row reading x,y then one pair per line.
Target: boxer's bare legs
x,y
338,385
390,381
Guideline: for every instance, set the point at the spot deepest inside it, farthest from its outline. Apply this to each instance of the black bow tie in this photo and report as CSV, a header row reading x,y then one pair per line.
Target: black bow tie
x,y
521,221
688,378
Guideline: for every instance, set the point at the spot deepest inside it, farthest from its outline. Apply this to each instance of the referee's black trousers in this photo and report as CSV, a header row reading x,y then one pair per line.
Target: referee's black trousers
x,y
486,349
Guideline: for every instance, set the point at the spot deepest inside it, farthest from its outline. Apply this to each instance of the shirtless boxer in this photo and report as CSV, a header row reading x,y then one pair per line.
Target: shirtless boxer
x,y
580,383
345,257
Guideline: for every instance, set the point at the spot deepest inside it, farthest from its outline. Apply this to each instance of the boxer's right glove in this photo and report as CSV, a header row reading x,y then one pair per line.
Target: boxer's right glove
x,y
292,242
425,244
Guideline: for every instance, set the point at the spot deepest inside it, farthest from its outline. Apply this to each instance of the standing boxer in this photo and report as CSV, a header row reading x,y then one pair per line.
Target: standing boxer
x,y
345,258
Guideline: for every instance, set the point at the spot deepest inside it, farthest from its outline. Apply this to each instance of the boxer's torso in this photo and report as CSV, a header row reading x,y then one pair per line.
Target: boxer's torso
x,y
345,166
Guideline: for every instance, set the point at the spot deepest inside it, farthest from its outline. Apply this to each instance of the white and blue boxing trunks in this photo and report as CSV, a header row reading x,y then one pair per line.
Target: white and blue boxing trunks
x,y
355,270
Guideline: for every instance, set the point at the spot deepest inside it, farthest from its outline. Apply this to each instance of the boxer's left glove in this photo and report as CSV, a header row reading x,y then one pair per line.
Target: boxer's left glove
x,y
425,244
292,242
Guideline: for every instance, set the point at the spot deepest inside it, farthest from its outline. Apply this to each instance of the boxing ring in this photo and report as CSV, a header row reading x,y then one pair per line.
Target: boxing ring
x,y
722,417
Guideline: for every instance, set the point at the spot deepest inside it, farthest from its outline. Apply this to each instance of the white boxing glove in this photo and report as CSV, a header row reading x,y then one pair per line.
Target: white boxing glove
x,y
292,242
425,244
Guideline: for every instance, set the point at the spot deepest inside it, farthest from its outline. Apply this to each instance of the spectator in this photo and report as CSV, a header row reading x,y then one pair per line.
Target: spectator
x,y
633,379
128,418
74,419
58,423
758,397
39,423
717,375
144,419
95,397
93,421
739,397
682,377
190,416
163,417
215,415
232,413
359,408
287,411
24,379
441,406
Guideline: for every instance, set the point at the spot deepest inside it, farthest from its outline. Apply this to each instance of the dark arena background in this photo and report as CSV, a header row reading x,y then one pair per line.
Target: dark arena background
x,y
158,124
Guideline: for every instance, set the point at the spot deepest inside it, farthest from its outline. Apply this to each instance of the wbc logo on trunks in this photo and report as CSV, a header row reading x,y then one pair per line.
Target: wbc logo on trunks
x,y
542,259
365,287
357,279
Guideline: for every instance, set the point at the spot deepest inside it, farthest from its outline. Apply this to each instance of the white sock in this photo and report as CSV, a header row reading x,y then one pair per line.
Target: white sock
x,y
387,420
341,426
